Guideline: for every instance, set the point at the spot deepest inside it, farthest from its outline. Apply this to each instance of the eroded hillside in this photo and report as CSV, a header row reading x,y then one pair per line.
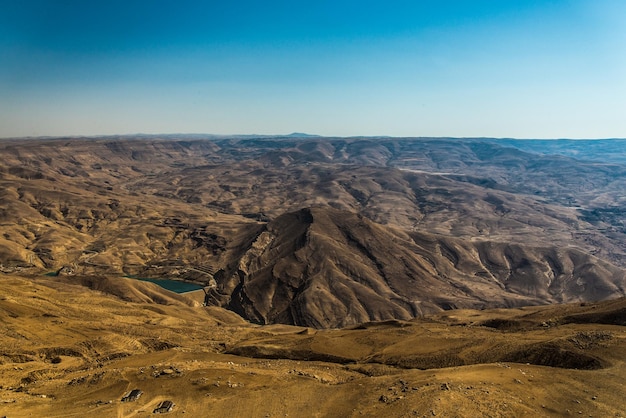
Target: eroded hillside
x,y
327,268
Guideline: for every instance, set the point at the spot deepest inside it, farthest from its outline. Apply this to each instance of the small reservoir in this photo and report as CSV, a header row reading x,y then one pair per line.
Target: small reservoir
x,y
171,285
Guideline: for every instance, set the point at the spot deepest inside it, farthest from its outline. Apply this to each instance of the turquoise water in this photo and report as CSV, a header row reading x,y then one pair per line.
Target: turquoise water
x,y
171,285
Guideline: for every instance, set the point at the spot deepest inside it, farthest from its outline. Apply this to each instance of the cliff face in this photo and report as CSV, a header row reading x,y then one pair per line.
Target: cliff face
x,y
327,268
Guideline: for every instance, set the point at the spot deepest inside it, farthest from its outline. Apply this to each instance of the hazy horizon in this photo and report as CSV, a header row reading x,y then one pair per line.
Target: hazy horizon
x,y
286,135
519,69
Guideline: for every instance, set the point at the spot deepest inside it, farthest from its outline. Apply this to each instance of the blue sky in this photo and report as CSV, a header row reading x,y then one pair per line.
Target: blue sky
x,y
525,69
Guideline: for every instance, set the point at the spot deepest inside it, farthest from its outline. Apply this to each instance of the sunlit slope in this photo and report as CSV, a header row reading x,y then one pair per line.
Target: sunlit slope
x,y
71,351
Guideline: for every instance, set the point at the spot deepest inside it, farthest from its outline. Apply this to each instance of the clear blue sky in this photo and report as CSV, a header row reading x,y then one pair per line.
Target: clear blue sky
x,y
525,69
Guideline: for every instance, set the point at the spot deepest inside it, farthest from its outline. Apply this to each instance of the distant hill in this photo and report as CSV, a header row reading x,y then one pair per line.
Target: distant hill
x,y
302,135
601,150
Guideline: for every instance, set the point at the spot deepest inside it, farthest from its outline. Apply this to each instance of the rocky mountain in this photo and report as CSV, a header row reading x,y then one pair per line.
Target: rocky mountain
x,y
327,268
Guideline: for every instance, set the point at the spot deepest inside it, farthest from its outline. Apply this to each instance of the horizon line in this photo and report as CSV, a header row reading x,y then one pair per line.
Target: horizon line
x,y
296,135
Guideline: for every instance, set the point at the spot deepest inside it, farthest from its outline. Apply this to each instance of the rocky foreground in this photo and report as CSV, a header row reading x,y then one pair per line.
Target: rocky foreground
x,y
68,350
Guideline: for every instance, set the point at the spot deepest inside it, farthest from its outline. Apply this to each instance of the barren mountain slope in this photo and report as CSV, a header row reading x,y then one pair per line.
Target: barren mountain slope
x,y
328,268
57,222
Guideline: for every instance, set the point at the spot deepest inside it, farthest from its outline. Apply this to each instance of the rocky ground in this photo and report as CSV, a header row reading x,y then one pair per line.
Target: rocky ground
x,y
68,350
